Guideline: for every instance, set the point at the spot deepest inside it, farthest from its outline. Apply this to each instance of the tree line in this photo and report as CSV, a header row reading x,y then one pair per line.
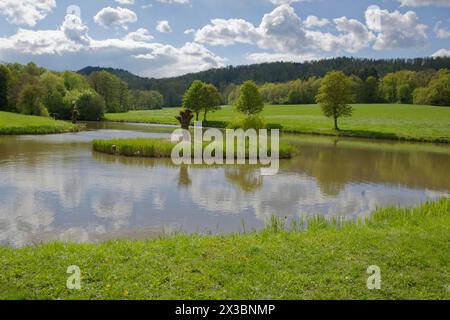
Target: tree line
x,y
407,87
32,90
277,72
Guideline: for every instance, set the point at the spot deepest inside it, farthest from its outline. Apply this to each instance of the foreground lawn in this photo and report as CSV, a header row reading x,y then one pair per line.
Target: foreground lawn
x,y
404,122
13,123
411,246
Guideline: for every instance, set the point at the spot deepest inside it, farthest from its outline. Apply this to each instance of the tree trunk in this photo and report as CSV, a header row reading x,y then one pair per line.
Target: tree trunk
x,y
197,114
336,127
204,117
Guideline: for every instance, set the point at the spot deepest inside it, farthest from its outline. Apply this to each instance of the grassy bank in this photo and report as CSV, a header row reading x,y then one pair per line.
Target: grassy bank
x,y
327,261
13,123
379,121
160,148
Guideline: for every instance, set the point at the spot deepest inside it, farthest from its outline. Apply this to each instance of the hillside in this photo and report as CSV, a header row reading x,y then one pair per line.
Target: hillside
x,y
173,88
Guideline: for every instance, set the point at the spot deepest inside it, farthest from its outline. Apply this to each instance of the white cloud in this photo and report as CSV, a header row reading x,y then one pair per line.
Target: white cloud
x,y
283,32
140,35
281,2
134,52
395,30
26,12
227,32
441,53
125,2
441,33
421,3
174,1
313,21
163,26
189,31
115,17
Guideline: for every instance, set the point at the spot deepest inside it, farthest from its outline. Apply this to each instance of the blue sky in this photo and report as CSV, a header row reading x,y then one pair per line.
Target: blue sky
x,y
159,38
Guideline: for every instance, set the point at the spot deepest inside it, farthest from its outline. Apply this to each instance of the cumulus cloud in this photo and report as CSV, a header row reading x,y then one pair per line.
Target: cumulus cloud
x,y
441,32
283,32
26,12
227,32
135,51
125,2
395,30
140,35
115,17
313,21
163,26
441,53
421,3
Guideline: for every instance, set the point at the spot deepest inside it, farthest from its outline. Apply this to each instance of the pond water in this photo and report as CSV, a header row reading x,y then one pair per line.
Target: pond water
x,y
55,187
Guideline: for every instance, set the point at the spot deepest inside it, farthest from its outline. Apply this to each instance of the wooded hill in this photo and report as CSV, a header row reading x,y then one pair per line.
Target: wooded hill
x,y
173,88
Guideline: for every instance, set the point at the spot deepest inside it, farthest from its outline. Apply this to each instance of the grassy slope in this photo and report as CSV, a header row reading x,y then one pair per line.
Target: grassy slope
x,y
411,246
420,123
13,123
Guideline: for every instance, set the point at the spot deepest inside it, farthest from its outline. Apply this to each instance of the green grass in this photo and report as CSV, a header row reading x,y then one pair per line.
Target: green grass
x,y
381,121
161,148
16,124
328,261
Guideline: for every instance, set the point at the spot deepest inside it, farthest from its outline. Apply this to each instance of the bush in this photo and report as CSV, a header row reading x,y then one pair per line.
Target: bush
x,y
248,122
91,106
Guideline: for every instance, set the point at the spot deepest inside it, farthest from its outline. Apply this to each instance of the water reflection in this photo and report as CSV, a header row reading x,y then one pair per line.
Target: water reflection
x,y
56,188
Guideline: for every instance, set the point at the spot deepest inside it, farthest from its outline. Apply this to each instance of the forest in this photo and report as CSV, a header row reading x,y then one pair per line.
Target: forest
x,y
32,90
278,72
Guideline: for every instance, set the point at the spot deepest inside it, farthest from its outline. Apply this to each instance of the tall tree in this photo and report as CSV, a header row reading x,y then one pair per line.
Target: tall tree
x,y
192,99
335,95
250,101
210,98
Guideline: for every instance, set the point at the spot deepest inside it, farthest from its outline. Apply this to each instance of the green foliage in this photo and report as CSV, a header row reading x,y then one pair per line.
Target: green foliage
x,y
192,98
145,100
210,99
335,95
250,101
437,92
90,105
4,81
31,99
112,89
248,122
277,72
74,81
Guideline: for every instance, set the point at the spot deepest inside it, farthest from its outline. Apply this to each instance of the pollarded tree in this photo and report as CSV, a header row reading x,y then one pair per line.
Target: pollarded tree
x,y
335,95
250,101
192,98
210,99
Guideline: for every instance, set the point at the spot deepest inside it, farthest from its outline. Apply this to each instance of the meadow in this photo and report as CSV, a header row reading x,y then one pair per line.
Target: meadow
x,y
381,121
328,260
13,123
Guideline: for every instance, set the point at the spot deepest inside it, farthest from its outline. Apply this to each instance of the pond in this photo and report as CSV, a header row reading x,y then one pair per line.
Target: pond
x,y
55,187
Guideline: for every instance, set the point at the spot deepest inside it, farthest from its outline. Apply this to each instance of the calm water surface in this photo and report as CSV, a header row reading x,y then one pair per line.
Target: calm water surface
x,y
56,188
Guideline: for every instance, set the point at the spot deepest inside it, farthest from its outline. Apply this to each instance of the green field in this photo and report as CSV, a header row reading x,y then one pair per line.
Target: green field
x,y
384,121
13,123
328,261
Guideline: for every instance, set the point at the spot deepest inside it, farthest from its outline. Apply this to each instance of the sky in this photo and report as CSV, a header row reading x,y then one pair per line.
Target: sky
x,y
163,38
